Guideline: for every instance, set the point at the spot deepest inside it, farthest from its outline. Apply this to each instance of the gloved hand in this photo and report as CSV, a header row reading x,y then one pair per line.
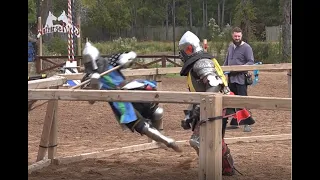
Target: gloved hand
x,y
127,59
95,81
128,64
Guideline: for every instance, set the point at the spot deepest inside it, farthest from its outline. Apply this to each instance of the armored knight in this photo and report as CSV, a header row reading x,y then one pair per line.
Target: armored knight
x,y
125,112
204,74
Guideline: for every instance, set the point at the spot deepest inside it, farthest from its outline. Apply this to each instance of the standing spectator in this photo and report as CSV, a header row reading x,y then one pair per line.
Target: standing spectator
x,y
239,53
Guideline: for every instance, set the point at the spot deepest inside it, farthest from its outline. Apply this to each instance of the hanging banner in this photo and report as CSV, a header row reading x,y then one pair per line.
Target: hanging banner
x,y
60,25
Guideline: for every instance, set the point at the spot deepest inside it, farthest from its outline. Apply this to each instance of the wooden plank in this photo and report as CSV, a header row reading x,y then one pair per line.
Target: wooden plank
x,y
251,139
73,76
114,95
282,66
262,138
176,70
127,72
257,102
262,67
48,82
251,102
46,130
172,70
52,146
38,165
149,146
202,171
106,153
214,138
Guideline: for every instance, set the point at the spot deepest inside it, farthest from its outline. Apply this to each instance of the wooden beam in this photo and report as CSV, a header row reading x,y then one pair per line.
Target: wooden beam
x,y
38,165
46,130
114,95
53,137
262,67
283,66
262,138
203,139
214,138
106,153
251,102
176,70
48,82
153,145
257,102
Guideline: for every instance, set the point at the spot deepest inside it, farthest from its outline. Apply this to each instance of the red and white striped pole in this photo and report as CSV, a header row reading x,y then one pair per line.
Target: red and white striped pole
x,y
70,38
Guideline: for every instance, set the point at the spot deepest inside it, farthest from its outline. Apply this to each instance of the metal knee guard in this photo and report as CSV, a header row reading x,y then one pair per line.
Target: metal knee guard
x,y
157,118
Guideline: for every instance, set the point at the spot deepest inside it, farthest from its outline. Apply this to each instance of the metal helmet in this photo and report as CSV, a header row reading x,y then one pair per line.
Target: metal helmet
x,y
90,54
189,45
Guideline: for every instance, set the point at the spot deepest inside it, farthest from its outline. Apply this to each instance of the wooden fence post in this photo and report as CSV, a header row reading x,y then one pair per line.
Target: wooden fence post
x,y
52,146
210,153
214,137
46,135
202,150
163,61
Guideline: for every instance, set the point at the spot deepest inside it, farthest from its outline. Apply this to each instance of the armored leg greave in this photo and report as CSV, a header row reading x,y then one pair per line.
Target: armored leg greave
x,y
157,136
195,138
143,127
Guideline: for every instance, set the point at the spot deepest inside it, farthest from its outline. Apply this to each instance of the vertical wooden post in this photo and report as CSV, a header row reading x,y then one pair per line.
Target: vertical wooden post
x,y
289,82
46,130
214,137
163,61
202,173
39,42
52,146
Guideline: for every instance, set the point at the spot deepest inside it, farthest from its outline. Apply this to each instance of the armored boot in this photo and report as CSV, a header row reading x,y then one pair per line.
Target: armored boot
x,y
157,136
195,138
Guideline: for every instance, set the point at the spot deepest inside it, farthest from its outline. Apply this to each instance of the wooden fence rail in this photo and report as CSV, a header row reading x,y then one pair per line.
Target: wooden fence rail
x,y
176,70
52,60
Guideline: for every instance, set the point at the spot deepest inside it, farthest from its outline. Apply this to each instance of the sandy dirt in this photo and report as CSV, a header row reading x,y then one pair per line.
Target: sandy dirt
x,y
86,128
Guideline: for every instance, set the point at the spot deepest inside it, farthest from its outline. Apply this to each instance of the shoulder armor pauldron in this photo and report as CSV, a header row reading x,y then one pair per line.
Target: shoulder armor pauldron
x,y
204,67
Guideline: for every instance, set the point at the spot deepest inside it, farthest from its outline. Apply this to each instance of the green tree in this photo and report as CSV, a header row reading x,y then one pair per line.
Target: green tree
x,y
32,11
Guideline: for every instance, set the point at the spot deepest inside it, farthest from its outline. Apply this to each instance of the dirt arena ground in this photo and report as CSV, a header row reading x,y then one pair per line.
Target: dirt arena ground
x,y
86,128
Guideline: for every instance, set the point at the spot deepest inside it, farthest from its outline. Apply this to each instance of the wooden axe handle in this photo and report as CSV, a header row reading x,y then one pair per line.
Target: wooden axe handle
x,y
102,74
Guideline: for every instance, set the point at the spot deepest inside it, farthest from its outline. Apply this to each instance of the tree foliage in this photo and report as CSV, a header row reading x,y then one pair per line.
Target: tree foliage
x,y
111,16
